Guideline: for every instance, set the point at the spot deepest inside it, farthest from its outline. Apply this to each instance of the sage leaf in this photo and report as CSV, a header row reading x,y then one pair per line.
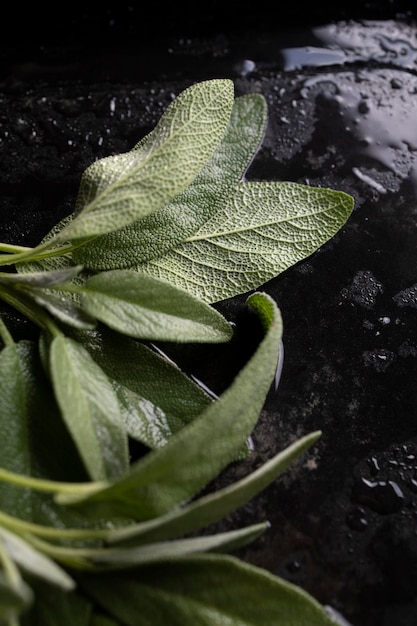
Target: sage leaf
x,y
43,279
149,308
55,606
32,431
13,599
171,475
264,228
89,408
121,558
204,589
34,562
118,190
155,234
214,506
14,428
64,308
156,397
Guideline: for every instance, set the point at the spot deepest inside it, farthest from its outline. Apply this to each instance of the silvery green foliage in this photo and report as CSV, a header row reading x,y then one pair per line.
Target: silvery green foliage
x,y
158,234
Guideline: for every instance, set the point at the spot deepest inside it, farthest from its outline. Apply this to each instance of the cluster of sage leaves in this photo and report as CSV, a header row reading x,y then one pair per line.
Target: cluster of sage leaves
x,y
159,234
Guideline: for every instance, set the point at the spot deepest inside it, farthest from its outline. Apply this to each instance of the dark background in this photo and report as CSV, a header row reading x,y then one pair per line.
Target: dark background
x,y
344,518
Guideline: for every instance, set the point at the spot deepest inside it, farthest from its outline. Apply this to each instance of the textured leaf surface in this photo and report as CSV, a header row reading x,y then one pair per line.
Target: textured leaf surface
x,y
265,228
206,590
158,232
90,409
145,307
204,447
118,190
156,397
215,506
14,428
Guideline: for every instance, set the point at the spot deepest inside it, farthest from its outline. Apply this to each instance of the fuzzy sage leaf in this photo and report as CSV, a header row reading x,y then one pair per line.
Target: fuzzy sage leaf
x,y
205,589
89,408
162,230
263,229
158,482
149,308
211,508
157,399
118,190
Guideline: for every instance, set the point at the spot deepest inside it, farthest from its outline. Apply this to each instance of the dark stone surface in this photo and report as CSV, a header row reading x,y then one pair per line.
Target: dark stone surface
x,y
341,90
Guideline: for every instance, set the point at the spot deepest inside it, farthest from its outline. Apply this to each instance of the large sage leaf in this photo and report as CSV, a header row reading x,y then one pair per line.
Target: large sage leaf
x,y
14,428
204,589
158,232
264,228
149,308
157,399
35,440
170,475
118,190
89,408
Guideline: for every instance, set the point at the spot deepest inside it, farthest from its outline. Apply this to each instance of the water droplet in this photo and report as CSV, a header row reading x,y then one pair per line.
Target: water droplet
x,y
381,496
356,519
407,297
363,290
380,359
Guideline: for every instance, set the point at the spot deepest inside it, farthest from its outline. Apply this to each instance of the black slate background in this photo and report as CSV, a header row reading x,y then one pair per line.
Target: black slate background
x,y
76,85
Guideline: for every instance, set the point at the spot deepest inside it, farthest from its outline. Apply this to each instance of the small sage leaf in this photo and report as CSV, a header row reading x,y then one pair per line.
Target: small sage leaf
x,y
34,562
174,473
63,307
160,231
264,228
42,278
156,397
89,408
214,506
118,190
14,598
204,589
120,558
148,308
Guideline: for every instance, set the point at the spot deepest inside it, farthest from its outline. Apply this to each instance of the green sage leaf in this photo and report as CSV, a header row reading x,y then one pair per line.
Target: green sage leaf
x,y
158,232
170,475
157,399
148,308
204,589
13,599
33,562
264,228
14,428
214,506
89,408
53,606
118,190
64,308
42,278
122,558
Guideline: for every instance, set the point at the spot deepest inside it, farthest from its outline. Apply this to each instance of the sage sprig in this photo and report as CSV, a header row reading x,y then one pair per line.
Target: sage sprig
x,y
90,534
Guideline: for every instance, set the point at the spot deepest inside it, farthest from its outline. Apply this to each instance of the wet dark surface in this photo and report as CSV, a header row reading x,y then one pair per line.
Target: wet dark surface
x,y
342,101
